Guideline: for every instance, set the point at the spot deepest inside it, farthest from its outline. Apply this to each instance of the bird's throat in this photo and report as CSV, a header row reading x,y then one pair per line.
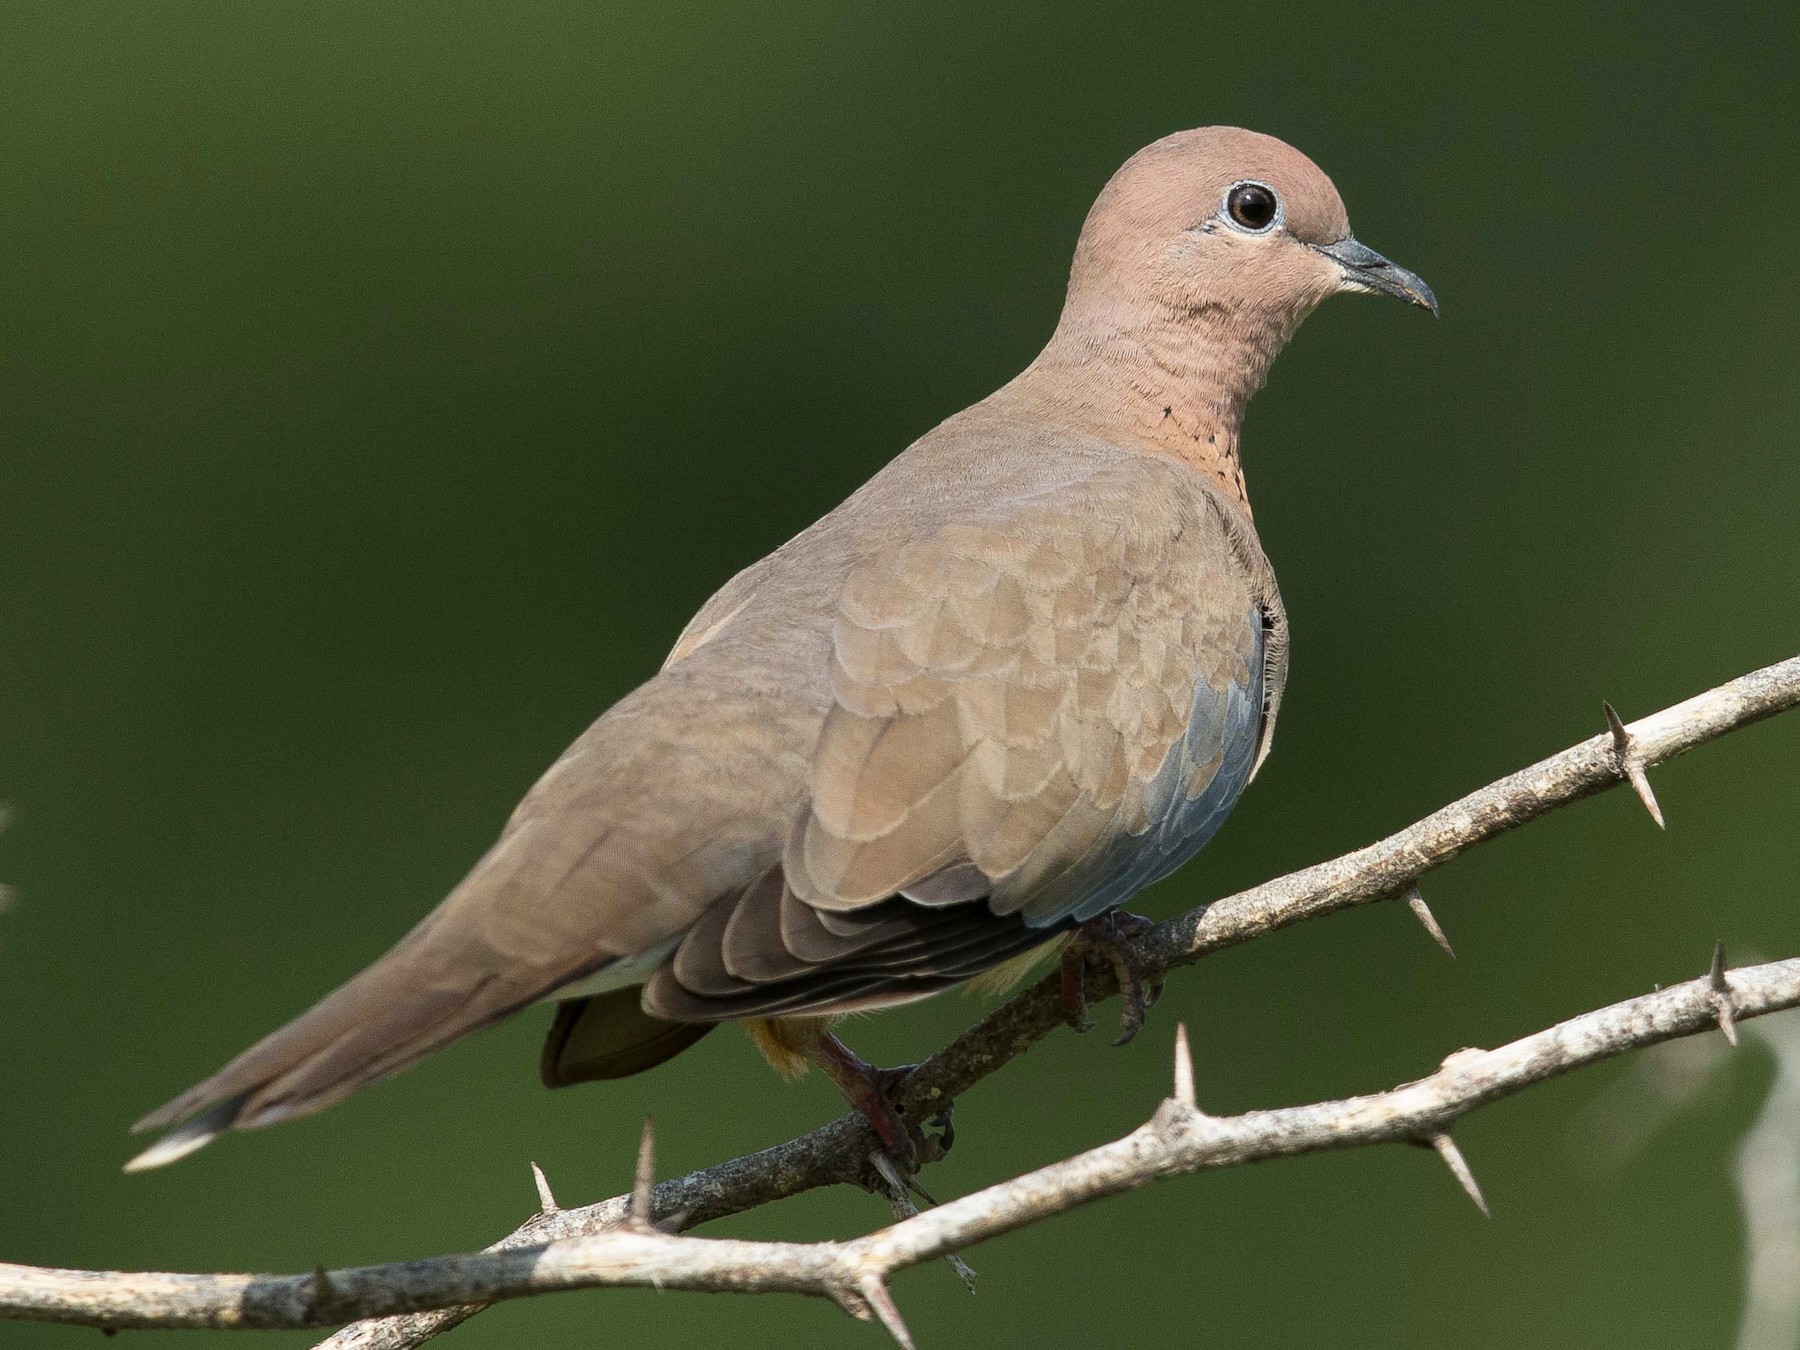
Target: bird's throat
x,y
1202,436
1175,385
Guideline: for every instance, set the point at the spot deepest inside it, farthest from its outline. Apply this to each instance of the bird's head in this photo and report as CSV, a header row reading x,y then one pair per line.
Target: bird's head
x,y
1227,225
1195,266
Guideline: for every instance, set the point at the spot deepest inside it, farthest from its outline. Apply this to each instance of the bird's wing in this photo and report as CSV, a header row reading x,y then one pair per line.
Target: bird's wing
x,y
1035,710
1017,691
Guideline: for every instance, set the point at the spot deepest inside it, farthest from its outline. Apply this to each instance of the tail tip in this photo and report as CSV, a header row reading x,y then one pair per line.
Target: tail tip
x,y
188,1138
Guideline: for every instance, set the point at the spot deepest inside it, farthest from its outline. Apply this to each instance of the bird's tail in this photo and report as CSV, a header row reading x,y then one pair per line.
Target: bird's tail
x,y
435,985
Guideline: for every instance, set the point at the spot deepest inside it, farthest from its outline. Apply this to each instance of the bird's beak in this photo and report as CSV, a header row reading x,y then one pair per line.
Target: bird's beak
x,y
1366,270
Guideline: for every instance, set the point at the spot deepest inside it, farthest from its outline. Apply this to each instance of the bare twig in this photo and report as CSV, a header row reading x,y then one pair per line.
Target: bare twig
x,y
1175,1141
838,1152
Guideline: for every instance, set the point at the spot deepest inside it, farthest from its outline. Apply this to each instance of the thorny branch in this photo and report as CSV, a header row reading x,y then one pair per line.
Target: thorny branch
x,y
596,1245
1178,1139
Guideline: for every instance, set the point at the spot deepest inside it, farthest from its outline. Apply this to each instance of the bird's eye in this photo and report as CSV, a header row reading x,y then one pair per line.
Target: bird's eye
x,y
1252,207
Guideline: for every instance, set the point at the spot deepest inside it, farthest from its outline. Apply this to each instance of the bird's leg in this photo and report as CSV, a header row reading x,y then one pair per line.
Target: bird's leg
x,y
871,1091
1108,937
1070,995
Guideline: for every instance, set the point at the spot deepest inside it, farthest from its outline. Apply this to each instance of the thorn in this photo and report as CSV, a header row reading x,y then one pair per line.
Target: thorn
x,y
1719,995
901,1203
890,1173
674,1223
852,1302
898,1184
320,1287
643,1215
1184,1068
546,1201
1422,912
963,1271
1631,764
1459,1168
878,1298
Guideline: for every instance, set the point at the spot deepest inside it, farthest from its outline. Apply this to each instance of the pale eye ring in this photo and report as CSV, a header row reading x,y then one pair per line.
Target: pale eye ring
x,y
1252,207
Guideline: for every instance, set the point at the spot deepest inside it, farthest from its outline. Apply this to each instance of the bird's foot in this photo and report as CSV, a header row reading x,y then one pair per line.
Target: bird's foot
x,y
872,1091
1109,938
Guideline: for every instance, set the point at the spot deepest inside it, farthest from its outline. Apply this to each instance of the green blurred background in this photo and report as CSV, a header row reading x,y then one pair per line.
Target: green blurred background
x,y
381,388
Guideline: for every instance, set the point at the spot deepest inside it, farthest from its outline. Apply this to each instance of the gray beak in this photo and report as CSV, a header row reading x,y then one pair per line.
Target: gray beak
x,y
1366,270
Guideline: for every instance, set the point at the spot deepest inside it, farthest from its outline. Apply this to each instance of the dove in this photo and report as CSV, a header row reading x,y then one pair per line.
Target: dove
x,y
1022,673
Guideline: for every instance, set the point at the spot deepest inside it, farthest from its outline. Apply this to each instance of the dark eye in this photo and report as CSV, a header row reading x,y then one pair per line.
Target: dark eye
x,y
1252,206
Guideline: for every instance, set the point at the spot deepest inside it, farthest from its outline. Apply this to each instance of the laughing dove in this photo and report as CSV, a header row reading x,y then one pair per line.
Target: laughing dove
x,y
1022,673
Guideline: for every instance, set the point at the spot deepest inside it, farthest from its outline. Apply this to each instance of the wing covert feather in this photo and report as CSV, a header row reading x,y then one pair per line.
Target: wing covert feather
x,y
1040,691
